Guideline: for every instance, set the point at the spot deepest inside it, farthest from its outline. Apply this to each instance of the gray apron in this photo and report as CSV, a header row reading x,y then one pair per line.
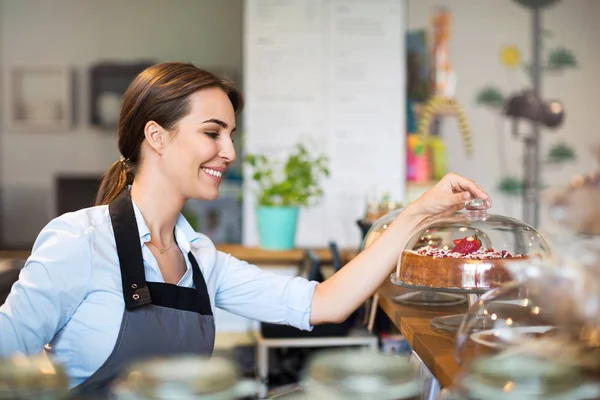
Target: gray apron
x,y
159,319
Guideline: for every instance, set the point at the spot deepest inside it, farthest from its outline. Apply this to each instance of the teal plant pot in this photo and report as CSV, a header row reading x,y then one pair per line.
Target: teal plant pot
x,y
277,227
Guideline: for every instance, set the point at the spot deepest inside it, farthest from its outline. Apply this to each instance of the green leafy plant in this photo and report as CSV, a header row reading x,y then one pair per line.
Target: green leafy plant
x,y
561,58
536,3
490,97
511,186
560,153
295,183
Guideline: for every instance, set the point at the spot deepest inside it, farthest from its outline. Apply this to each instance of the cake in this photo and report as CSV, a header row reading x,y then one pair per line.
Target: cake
x,y
467,266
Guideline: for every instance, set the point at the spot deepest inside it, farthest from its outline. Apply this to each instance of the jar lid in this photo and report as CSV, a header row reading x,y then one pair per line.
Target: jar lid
x,y
176,376
499,377
31,377
362,375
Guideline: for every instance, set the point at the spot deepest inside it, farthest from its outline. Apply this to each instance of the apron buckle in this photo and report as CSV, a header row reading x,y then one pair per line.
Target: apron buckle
x,y
138,297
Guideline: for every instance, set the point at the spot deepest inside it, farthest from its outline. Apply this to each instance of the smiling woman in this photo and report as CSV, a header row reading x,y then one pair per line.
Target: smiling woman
x,y
164,100
129,278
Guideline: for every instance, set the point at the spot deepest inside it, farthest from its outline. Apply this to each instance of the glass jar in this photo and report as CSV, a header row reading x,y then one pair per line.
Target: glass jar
x,y
28,378
522,378
358,375
551,311
182,377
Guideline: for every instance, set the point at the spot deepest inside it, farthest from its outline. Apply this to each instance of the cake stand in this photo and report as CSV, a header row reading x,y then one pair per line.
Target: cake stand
x,y
450,323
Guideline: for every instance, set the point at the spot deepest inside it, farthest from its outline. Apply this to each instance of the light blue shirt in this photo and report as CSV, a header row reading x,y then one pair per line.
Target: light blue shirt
x,y
69,297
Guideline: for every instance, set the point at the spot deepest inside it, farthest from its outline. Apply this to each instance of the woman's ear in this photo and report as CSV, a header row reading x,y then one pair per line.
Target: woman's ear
x,y
156,136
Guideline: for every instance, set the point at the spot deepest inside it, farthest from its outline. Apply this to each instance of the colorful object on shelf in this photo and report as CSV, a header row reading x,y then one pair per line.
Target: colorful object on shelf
x,y
418,168
277,227
411,120
417,65
431,109
443,77
437,157
510,56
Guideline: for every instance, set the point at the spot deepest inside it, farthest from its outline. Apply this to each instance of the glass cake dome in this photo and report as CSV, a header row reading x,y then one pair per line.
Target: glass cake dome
x,y
410,297
467,252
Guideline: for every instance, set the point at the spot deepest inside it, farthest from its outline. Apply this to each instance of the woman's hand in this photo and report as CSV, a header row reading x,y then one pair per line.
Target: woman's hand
x,y
338,296
448,196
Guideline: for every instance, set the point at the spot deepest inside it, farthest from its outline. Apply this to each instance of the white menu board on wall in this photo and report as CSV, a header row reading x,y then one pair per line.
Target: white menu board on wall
x,y
329,74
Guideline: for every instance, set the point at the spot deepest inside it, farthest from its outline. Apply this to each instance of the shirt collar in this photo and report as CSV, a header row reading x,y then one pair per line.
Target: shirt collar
x,y
184,233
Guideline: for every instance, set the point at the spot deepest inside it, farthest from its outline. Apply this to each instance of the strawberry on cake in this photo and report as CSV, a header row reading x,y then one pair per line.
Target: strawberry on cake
x,y
467,266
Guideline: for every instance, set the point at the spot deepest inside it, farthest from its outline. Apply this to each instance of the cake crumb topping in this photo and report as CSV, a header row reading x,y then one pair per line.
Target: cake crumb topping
x,y
481,254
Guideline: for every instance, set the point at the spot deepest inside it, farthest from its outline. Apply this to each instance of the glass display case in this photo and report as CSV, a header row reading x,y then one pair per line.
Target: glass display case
x,y
468,253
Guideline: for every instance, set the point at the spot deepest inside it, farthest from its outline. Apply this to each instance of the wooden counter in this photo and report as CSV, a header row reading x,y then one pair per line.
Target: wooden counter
x,y
255,255
434,348
252,255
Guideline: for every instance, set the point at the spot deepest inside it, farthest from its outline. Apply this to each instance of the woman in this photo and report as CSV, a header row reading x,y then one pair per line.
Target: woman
x,y
129,278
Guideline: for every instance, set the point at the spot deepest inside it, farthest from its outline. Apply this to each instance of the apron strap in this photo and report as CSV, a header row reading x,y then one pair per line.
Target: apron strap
x,y
127,238
200,284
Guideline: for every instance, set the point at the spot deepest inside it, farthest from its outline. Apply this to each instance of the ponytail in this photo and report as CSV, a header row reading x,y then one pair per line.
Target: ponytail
x,y
115,180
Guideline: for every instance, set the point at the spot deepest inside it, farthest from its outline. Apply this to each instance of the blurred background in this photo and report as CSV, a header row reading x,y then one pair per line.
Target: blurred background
x,y
65,64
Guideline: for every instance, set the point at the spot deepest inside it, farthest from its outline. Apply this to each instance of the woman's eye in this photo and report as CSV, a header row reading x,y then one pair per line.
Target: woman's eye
x,y
212,135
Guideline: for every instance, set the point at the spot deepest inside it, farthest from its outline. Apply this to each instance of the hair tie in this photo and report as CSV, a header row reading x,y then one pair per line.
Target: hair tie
x,y
123,161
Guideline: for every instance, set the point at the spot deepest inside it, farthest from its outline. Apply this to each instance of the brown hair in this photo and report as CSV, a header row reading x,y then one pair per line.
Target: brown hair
x,y
160,93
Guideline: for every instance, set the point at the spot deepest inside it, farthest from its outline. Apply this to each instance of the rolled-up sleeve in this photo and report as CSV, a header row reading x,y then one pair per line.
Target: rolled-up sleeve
x,y
251,292
50,287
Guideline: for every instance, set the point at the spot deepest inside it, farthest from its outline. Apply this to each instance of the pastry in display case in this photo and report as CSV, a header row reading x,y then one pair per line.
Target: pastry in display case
x,y
468,253
412,297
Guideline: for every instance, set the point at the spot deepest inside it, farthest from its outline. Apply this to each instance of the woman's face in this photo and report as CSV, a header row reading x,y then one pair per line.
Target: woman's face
x,y
201,147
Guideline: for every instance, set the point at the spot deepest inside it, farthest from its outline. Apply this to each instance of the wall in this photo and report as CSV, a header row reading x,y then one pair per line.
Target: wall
x,y
78,33
479,29
330,75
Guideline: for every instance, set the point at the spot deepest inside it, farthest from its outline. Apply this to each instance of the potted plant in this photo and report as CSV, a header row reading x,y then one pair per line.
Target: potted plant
x,y
281,190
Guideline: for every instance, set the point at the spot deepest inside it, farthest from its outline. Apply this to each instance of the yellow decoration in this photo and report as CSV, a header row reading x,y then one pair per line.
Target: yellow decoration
x,y
433,106
510,56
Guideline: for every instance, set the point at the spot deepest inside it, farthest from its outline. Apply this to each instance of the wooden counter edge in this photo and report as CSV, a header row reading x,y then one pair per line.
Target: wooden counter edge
x,y
436,350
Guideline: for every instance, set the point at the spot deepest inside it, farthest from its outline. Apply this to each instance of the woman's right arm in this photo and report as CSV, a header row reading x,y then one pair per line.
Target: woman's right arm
x,y
52,284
